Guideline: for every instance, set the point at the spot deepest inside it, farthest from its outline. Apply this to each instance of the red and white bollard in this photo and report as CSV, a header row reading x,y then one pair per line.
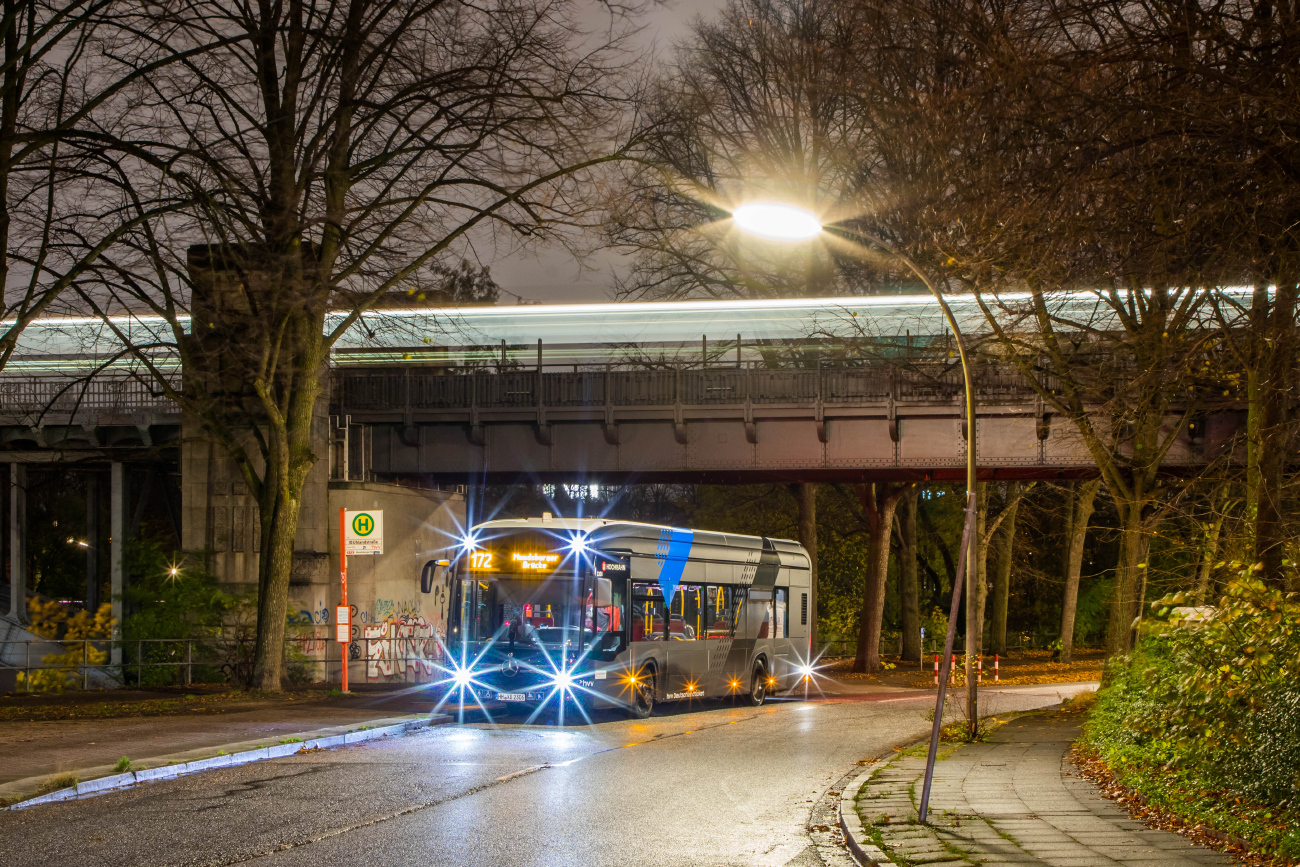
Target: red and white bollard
x,y
995,668
936,669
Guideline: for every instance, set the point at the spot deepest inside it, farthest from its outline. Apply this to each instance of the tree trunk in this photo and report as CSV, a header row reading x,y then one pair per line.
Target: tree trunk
x,y
879,500
1080,503
977,583
1269,393
1209,551
1004,544
1134,542
805,496
279,530
908,589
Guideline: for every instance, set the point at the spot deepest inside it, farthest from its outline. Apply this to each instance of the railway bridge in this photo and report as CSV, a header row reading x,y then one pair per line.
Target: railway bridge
x,y
423,402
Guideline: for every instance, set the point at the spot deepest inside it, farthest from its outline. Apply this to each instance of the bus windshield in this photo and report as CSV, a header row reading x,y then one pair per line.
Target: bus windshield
x,y
560,611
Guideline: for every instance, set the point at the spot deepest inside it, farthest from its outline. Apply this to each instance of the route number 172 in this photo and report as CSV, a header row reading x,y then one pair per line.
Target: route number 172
x,y
480,560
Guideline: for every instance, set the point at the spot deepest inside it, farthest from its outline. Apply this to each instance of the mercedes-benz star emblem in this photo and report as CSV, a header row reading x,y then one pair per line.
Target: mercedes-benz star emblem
x,y
510,668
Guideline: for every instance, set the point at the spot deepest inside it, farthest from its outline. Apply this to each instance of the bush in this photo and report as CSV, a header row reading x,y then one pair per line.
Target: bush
x,y
1214,706
169,599
63,670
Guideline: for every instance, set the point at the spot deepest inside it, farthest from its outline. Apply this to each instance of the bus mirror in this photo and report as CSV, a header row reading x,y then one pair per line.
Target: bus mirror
x,y
432,571
604,592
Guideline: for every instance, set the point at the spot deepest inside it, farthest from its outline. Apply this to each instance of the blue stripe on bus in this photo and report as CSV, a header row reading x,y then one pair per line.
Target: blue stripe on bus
x,y
679,550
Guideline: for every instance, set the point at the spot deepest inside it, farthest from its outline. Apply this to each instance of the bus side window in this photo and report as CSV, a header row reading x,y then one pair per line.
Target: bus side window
x,y
684,615
647,613
782,628
720,610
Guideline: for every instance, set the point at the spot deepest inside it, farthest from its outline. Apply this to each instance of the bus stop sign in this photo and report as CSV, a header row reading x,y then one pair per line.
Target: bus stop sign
x,y
363,532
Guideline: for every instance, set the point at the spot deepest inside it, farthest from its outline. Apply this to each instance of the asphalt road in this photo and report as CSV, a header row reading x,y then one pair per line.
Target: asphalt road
x,y
717,785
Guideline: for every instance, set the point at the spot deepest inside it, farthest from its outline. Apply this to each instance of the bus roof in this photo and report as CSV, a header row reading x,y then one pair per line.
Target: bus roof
x,y
633,535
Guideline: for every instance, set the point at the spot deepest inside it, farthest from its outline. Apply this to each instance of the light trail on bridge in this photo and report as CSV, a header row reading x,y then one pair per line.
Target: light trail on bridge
x,y
576,333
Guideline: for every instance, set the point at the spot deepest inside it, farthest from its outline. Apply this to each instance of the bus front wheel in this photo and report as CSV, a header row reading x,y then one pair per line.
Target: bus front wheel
x,y
643,695
757,687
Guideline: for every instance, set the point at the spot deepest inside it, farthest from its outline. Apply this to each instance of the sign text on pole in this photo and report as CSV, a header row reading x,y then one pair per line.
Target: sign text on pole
x,y
363,532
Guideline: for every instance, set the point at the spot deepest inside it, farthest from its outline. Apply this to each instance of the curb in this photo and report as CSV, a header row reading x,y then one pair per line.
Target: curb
x,y
866,853
116,782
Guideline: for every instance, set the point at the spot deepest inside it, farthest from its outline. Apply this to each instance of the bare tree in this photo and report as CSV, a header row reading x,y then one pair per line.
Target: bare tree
x,y
329,153
59,187
757,106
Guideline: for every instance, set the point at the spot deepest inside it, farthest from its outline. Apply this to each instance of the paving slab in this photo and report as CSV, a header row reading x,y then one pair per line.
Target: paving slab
x,y
1013,800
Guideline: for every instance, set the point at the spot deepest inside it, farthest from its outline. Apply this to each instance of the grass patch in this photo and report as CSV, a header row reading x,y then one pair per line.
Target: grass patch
x,y
123,765
291,740
214,703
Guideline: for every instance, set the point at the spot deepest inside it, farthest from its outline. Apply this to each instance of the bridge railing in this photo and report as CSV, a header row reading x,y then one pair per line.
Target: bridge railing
x,y
103,395
436,389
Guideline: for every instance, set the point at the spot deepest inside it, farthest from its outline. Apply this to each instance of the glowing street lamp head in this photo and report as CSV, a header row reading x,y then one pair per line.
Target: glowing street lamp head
x,y
777,221
469,541
578,544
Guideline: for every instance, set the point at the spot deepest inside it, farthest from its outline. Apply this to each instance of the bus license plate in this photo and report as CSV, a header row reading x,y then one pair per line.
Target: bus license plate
x,y
511,696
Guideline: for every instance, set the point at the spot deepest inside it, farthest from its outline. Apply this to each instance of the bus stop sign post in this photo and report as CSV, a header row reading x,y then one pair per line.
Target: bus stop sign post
x,y
359,533
962,563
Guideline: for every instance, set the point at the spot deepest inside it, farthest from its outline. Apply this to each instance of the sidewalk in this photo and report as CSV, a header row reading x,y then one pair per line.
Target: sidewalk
x,y
33,755
1011,800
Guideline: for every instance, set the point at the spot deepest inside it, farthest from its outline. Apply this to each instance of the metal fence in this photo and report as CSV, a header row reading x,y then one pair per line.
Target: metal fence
x,y
70,665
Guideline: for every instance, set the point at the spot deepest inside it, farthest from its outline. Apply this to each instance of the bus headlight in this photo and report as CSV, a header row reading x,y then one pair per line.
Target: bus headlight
x,y
462,677
806,671
562,679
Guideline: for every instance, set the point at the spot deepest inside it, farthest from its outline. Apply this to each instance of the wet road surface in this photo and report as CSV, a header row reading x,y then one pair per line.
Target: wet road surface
x,y
714,785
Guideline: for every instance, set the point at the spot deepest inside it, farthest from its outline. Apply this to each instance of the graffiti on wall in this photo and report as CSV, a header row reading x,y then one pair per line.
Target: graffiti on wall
x,y
401,644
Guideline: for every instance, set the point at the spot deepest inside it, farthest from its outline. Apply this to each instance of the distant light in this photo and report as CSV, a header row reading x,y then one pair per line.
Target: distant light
x,y
777,221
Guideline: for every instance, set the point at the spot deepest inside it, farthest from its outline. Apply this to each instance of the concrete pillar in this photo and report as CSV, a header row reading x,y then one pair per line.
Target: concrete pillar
x,y
116,543
18,543
92,542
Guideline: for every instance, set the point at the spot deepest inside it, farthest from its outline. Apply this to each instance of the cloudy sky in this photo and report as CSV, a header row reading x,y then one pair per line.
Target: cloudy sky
x,y
553,275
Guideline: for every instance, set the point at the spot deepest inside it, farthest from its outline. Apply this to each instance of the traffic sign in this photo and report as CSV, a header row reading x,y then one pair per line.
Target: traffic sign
x,y
363,532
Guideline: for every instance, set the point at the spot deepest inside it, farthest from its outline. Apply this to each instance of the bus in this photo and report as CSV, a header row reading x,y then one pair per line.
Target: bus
x,y
618,614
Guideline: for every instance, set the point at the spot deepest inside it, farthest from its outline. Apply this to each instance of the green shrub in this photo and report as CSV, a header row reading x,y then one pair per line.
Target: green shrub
x,y
1209,713
167,598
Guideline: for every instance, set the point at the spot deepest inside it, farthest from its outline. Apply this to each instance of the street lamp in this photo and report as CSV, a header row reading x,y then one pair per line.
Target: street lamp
x,y
784,222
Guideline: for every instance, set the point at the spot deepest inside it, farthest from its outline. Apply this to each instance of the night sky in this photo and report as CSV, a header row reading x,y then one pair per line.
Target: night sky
x,y
552,275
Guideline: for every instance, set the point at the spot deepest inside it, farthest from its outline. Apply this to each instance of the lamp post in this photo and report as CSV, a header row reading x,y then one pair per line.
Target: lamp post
x,y
783,222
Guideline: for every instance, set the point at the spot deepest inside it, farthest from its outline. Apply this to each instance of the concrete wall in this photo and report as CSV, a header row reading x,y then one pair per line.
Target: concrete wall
x,y
395,627
392,620
219,516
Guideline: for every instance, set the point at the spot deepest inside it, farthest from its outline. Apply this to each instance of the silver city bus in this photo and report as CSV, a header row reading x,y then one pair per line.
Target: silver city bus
x,y
621,614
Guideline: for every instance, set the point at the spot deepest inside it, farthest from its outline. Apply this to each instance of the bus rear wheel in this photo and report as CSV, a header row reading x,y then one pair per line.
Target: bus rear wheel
x,y
643,695
757,687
